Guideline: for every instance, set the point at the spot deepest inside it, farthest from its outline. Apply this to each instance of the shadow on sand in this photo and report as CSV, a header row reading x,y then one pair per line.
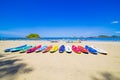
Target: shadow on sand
x,y
106,76
1,55
9,70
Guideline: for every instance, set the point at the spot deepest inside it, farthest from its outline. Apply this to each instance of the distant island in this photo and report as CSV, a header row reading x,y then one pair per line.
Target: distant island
x,y
99,36
33,36
105,36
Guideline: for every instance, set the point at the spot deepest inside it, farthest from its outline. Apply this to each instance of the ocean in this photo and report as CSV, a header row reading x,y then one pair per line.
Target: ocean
x,y
63,38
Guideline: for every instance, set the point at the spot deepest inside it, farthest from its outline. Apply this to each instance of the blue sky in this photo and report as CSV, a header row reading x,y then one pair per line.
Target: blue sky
x,y
59,18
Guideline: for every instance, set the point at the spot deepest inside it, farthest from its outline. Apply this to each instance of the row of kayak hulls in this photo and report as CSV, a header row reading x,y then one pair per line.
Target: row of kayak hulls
x,y
15,49
52,49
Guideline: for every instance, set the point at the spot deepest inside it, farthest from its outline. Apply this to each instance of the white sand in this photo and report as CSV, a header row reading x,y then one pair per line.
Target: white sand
x,y
56,66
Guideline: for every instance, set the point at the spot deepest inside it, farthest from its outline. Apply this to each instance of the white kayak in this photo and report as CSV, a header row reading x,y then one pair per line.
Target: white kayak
x,y
41,48
100,50
68,49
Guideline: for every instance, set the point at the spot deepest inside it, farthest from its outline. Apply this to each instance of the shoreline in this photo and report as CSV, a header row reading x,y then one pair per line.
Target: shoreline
x,y
64,40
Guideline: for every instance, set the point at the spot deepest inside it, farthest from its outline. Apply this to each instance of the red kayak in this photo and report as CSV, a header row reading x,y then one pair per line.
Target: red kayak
x,y
76,49
82,49
47,49
33,49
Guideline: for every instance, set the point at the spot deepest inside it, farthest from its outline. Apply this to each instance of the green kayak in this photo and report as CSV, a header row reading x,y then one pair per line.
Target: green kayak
x,y
25,49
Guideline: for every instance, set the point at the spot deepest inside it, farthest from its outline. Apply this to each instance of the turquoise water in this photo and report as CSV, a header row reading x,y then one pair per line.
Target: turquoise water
x,y
66,38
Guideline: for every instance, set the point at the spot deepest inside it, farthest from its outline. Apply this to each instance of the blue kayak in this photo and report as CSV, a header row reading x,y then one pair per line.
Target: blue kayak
x,y
61,49
19,49
8,50
41,49
91,50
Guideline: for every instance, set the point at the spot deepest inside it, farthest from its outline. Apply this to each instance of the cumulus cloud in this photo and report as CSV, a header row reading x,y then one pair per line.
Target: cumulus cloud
x,y
115,22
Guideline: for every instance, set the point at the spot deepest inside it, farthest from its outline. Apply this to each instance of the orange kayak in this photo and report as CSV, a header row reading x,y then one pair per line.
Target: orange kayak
x,y
47,49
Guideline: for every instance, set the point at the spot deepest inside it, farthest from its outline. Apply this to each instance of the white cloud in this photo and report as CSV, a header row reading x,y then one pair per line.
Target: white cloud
x,y
115,22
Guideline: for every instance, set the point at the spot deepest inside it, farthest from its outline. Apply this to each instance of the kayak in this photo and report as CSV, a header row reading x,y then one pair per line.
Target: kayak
x,y
19,49
54,49
101,51
68,49
61,49
91,50
82,49
41,48
25,49
33,49
8,50
47,49
76,49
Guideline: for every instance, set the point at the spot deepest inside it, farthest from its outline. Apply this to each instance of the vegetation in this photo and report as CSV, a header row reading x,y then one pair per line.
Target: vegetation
x,y
114,36
105,36
33,36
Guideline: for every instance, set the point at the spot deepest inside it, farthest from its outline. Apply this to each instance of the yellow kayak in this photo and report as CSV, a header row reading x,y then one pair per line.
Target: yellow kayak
x,y
54,49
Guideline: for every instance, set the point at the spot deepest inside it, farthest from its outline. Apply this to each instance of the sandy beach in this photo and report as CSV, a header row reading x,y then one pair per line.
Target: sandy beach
x,y
56,66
